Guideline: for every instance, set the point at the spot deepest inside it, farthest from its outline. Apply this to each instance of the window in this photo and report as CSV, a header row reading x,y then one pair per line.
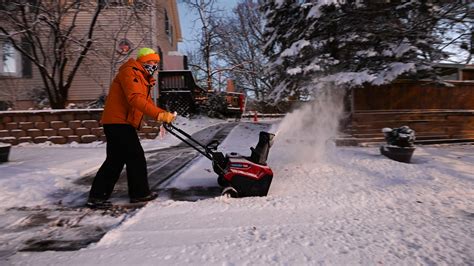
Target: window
x,y
12,62
120,3
167,23
26,63
10,59
168,28
7,5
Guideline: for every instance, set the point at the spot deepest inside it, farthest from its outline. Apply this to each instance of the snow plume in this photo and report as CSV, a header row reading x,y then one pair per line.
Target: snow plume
x,y
308,130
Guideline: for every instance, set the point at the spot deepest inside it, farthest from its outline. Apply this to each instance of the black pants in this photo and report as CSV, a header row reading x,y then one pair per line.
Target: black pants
x,y
123,148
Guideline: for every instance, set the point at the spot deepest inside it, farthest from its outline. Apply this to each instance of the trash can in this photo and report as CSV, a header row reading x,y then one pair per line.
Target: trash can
x,y
4,152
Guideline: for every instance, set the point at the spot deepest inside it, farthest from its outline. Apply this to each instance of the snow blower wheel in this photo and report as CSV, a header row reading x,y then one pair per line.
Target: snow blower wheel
x,y
230,192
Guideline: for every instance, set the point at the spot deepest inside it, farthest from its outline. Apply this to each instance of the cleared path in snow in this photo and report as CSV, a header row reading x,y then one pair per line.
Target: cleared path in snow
x,y
162,164
66,225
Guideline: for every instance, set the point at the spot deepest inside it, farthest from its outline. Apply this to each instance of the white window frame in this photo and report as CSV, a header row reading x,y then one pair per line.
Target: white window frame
x,y
17,57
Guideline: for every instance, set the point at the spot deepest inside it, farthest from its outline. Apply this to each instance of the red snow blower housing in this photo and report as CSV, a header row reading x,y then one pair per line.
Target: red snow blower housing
x,y
240,176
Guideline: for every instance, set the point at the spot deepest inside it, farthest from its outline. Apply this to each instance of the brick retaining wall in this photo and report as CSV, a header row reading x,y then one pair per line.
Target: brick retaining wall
x,y
59,126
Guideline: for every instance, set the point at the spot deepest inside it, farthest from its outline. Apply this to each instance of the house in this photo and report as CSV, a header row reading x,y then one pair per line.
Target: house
x,y
122,28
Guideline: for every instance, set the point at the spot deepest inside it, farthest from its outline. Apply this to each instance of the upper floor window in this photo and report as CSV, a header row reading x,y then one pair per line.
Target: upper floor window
x,y
168,27
7,5
119,3
167,23
29,5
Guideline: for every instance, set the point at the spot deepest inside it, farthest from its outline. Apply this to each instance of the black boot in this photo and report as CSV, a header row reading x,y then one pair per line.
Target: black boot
x,y
152,196
95,203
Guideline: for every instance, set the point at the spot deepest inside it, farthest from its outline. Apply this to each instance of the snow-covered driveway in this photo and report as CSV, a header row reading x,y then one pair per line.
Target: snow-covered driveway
x,y
352,206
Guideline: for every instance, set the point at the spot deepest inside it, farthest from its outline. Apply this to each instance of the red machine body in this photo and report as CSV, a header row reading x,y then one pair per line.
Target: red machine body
x,y
245,177
240,176
240,166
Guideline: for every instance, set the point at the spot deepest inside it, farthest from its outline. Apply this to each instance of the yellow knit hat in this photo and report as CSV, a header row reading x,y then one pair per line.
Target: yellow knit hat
x,y
147,54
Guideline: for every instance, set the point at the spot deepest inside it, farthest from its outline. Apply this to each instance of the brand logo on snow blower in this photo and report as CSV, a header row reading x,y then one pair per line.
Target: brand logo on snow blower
x,y
239,165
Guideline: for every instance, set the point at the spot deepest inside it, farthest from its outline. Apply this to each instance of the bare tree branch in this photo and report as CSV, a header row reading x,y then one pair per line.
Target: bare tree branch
x,y
85,49
49,29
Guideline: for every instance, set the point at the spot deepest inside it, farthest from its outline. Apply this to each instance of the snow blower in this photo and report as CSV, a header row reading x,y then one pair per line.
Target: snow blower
x,y
240,176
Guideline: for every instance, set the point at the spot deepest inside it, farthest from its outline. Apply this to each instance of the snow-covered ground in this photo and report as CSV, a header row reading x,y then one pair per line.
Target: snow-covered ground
x,y
35,171
345,206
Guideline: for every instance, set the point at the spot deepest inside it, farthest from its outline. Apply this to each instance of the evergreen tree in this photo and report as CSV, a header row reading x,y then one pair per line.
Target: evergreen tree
x,y
349,43
282,21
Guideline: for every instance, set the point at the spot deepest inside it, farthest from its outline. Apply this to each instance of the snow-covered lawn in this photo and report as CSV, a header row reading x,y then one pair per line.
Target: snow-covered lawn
x,y
349,206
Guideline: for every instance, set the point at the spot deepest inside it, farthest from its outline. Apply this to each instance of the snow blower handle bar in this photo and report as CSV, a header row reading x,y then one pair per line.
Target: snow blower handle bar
x,y
206,150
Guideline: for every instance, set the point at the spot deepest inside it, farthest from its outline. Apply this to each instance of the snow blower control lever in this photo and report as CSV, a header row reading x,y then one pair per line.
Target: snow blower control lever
x,y
240,176
204,150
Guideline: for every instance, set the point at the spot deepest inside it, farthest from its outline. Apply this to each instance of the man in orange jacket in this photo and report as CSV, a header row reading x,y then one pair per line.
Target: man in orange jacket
x,y
128,100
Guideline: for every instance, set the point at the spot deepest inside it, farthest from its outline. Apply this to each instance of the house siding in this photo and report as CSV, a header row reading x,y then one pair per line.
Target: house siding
x,y
102,62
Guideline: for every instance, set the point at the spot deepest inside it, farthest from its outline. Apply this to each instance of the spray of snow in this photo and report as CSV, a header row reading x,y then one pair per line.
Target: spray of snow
x,y
306,132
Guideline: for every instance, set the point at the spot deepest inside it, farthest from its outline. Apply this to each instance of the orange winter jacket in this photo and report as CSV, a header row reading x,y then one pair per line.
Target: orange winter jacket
x,y
129,96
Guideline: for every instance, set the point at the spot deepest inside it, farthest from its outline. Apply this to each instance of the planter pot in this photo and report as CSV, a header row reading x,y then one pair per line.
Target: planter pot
x,y
399,154
4,152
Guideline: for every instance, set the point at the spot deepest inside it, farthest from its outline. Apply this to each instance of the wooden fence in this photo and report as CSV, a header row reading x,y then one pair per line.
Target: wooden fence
x,y
437,114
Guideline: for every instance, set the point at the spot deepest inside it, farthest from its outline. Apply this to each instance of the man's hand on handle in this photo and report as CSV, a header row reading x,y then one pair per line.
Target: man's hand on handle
x,y
166,117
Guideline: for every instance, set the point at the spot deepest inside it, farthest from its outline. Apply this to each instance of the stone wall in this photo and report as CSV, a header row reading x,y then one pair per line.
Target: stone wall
x,y
59,126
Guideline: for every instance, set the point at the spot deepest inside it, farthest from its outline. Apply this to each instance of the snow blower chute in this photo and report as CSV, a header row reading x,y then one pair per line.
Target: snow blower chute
x,y
240,176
